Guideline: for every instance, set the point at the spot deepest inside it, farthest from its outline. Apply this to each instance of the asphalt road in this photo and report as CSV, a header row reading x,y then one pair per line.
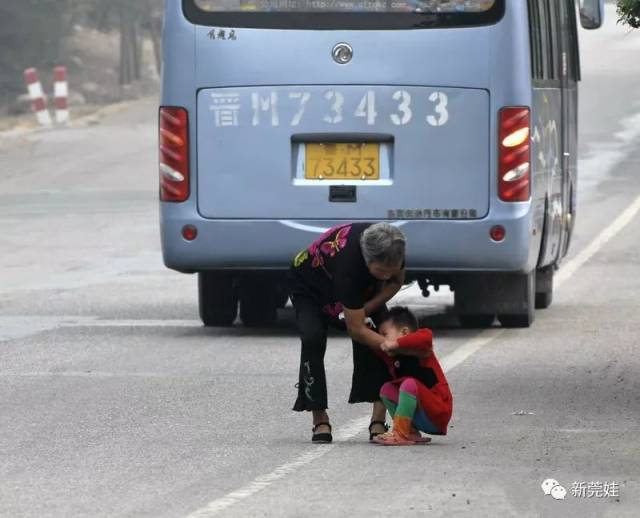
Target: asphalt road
x,y
116,402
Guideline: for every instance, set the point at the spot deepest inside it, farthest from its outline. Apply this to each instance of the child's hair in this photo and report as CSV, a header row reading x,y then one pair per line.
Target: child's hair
x,y
401,316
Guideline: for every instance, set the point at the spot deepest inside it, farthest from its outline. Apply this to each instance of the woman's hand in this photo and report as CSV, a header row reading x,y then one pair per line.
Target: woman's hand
x,y
355,319
389,347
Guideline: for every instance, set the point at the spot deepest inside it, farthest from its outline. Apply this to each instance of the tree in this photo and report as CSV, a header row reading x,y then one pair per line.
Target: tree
x,y
131,18
31,35
130,46
629,12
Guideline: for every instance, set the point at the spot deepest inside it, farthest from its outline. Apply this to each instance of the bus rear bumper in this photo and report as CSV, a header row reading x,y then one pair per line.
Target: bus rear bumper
x,y
433,245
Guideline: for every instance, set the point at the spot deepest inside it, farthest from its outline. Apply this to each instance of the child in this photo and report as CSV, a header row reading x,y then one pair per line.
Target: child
x,y
418,398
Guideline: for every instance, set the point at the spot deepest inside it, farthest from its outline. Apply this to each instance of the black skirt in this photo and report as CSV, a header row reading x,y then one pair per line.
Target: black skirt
x,y
369,371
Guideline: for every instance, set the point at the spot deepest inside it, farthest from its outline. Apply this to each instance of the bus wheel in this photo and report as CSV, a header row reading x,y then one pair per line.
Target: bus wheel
x,y
258,301
544,287
525,304
217,299
470,297
476,321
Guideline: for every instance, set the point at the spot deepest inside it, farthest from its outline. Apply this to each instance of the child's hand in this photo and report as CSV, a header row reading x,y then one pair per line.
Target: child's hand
x,y
368,321
389,347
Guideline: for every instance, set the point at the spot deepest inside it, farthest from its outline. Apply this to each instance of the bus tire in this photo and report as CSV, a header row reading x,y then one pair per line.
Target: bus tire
x,y
526,304
217,299
259,298
544,287
476,321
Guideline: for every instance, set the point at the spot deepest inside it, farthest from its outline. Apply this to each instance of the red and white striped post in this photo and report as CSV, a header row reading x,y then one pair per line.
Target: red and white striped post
x,y
38,101
61,93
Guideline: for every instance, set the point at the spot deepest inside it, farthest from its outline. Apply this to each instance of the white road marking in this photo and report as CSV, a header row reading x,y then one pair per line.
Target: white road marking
x,y
22,326
134,323
18,326
568,269
449,362
463,352
82,374
353,428
263,481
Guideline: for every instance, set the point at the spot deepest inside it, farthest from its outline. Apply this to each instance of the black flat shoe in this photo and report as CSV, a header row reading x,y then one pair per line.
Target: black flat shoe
x,y
323,437
373,435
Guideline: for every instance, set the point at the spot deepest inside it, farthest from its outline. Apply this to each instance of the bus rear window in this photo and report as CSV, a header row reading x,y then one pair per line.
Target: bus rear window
x,y
346,6
344,14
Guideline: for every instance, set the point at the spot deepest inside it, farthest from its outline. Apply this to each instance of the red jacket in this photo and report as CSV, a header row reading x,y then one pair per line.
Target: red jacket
x,y
435,396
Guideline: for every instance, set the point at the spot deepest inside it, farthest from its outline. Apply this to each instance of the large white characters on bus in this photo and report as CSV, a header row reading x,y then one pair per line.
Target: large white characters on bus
x,y
405,115
367,108
265,104
226,108
337,102
441,109
303,98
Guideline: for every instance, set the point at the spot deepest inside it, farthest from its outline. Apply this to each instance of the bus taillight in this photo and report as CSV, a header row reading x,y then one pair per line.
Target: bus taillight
x,y
174,154
515,154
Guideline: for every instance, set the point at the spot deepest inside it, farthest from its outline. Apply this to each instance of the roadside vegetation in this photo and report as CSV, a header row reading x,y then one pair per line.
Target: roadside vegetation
x,y
629,13
106,45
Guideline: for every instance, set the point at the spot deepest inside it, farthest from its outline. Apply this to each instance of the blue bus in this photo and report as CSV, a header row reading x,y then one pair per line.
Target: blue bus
x,y
454,119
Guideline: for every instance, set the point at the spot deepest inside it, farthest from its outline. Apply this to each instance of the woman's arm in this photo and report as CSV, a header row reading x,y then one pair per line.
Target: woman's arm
x,y
420,341
389,290
419,344
358,330
417,353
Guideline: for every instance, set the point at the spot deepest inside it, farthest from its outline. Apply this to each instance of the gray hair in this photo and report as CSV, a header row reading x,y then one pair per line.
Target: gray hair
x,y
383,243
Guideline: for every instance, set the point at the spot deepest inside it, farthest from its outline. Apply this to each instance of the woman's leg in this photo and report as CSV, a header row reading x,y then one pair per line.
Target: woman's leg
x,y
370,372
312,385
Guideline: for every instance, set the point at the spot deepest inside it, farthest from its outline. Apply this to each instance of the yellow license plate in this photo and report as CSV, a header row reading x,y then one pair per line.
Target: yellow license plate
x,y
344,161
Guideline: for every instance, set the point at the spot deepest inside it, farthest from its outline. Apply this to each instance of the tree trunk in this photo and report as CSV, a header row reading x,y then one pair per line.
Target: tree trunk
x,y
155,30
130,48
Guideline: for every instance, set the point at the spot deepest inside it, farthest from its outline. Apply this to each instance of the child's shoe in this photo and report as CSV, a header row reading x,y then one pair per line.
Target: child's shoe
x,y
393,438
417,437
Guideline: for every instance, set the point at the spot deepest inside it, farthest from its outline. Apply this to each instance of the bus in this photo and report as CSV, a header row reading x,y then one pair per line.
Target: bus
x,y
453,119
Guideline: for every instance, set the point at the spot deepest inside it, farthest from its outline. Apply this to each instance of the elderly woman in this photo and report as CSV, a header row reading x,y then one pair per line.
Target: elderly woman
x,y
352,269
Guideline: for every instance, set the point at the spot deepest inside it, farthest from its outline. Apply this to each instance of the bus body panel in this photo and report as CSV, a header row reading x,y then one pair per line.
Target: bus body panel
x,y
498,61
433,164
546,158
432,245
304,57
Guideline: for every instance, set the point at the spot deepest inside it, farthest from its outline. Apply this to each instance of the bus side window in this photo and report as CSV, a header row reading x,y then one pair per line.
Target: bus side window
x,y
541,45
553,30
574,50
545,33
535,40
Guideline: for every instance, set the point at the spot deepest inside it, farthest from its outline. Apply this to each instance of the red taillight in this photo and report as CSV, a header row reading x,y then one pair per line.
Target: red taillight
x,y
174,154
514,168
